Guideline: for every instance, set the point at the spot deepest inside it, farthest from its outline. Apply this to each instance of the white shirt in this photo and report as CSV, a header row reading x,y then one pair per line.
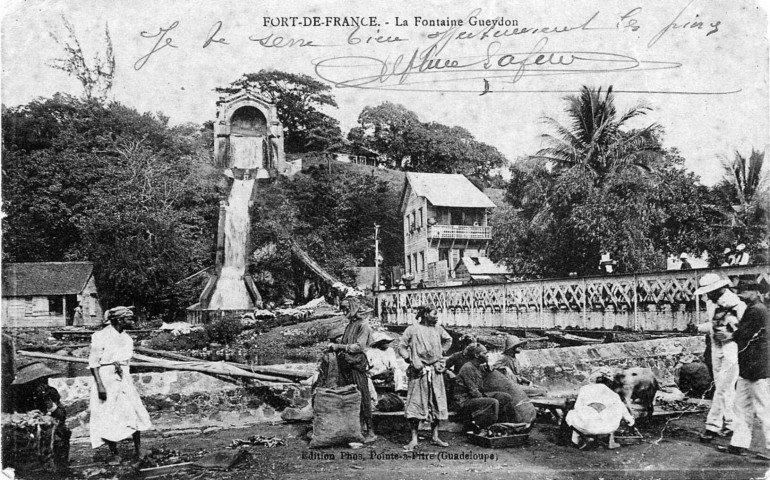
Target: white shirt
x,y
109,346
589,420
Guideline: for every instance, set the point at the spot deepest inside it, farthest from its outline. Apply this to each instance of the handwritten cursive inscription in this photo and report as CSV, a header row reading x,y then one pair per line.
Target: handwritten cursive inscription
x,y
412,68
213,31
166,42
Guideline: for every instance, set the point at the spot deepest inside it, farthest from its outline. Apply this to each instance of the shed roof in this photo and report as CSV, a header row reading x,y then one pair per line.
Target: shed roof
x,y
483,266
447,190
45,278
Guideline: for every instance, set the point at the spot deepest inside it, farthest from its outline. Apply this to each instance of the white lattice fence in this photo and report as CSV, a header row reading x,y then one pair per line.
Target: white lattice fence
x,y
649,301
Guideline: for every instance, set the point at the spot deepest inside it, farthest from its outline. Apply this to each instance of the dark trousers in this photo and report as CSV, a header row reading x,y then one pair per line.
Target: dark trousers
x,y
350,376
496,406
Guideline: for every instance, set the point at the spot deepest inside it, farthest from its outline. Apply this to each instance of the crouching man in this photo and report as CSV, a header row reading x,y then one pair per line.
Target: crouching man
x,y
598,409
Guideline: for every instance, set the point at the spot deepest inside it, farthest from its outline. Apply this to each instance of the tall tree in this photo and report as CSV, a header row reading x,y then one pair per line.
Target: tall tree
x,y
385,129
595,139
744,190
298,99
96,78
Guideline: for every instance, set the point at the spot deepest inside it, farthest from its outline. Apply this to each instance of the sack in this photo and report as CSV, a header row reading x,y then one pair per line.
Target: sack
x,y
336,417
390,402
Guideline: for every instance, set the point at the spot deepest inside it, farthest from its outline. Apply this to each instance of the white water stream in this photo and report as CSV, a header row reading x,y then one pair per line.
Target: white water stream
x,y
230,291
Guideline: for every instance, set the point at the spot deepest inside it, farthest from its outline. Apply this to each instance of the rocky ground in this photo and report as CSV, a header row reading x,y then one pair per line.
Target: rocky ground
x,y
670,450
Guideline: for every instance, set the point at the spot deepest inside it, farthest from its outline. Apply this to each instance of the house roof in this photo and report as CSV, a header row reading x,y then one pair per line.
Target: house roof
x,y
45,278
483,266
446,190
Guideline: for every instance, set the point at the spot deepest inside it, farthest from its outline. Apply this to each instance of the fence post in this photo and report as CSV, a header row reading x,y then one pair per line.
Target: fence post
x,y
585,303
636,303
540,310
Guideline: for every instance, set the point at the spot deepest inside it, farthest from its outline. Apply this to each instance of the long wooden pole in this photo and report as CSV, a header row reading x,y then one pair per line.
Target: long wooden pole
x,y
162,364
253,368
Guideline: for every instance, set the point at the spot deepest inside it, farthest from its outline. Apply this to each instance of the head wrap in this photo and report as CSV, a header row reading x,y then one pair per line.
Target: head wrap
x,y
474,350
117,313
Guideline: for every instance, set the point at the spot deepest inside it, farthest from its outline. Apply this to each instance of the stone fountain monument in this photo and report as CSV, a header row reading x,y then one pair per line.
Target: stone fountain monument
x,y
248,148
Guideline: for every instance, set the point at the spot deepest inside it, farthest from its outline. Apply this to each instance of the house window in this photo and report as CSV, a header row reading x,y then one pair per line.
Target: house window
x,y
55,306
422,261
409,263
415,261
422,221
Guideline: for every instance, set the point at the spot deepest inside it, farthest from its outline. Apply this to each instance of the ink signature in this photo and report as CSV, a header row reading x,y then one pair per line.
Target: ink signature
x,y
428,67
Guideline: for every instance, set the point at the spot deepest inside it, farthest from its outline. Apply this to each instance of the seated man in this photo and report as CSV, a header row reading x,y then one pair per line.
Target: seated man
x,y
598,409
509,365
387,371
480,408
32,392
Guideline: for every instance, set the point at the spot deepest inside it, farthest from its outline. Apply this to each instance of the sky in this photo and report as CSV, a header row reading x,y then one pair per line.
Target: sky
x,y
700,65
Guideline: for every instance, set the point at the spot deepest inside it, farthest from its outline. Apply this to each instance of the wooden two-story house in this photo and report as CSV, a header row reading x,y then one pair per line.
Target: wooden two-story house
x,y
445,219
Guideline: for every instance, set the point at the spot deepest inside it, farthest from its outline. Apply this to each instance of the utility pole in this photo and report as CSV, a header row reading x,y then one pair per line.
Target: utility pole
x,y
376,257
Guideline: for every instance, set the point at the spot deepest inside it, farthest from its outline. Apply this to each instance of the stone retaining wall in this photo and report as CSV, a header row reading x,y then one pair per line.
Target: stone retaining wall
x,y
564,370
179,401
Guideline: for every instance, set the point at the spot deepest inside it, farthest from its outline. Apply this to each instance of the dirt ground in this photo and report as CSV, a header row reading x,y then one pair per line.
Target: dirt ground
x,y
670,450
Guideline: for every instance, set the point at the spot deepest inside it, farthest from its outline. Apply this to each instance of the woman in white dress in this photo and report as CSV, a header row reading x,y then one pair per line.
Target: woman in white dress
x,y
117,412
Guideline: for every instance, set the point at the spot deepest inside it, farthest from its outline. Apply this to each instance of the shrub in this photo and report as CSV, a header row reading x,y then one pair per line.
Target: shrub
x,y
224,331
194,340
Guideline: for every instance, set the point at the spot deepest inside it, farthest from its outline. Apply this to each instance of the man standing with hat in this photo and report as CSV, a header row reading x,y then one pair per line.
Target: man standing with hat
x,y
352,361
685,263
753,389
724,354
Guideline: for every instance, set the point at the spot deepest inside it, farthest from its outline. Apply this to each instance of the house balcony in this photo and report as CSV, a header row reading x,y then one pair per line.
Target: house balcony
x,y
460,232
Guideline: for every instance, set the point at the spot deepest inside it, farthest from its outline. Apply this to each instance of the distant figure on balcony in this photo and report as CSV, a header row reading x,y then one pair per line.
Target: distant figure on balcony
x,y
761,256
606,263
741,256
685,263
421,283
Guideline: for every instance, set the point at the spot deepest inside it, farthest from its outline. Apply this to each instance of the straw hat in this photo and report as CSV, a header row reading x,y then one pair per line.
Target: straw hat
x,y
684,256
378,337
512,341
33,371
741,247
711,282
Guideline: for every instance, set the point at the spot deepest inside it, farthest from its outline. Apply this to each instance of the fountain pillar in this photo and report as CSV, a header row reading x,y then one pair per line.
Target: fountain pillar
x,y
248,148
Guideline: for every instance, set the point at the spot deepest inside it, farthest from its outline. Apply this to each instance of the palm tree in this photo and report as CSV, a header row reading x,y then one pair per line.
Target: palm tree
x,y
595,140
744,187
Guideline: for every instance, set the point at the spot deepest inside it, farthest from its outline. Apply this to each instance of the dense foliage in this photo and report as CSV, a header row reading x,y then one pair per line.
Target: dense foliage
x,y
599,188
89,181
396,133
329,215
298,99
